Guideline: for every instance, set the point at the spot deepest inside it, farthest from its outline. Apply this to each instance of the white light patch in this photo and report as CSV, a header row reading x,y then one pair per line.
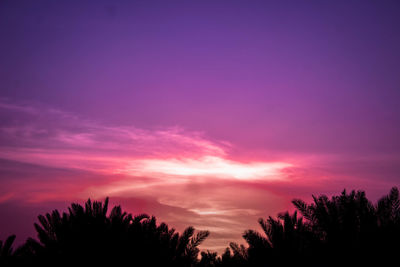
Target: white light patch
x,y
207,166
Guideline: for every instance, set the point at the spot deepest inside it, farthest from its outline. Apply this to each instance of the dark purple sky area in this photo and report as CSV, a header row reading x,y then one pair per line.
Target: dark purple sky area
x,y
204,113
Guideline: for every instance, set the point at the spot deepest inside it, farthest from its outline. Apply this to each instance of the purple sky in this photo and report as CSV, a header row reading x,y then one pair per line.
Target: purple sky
x,y
211,113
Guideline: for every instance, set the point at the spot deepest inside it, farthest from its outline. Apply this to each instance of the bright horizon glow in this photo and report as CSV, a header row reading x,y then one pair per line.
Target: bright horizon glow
x,y
214,166
204,113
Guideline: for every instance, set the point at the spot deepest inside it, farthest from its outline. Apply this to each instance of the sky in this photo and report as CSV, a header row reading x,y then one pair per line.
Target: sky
x,y
203,113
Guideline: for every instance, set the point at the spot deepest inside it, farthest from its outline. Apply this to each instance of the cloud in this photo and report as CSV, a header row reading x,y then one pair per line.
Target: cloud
x,y
207,166
182,177
36,126
54,138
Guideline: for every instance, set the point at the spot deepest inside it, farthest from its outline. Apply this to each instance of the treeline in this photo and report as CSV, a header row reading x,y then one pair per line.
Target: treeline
x,y
344,230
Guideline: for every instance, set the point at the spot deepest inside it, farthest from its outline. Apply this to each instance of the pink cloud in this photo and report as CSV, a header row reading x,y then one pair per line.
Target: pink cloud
x,y
206,166
86,145
182,177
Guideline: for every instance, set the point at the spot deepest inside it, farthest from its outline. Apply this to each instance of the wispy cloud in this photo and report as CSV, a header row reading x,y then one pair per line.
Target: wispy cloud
x,y
207,166
195,178
171,165
54,138
184,177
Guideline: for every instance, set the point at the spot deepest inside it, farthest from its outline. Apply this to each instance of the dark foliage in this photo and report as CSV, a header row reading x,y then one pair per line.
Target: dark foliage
x,y
6,251
344,230
86,235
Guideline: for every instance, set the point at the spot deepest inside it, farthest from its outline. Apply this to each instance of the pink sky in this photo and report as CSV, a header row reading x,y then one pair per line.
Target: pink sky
x,y
203,113
182,177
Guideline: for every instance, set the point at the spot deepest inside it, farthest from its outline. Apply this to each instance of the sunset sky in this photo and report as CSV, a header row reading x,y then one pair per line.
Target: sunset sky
x,y
203,113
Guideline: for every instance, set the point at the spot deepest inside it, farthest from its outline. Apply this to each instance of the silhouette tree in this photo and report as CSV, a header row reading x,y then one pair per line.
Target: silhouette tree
x,y
286,240
6,247
209,259
344,230
6,251
86,234
388,220
234,256
346,226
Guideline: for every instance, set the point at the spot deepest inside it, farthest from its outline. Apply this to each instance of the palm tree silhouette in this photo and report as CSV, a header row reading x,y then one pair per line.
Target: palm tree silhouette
x,y
388,220
86,234
353,230
345,230
286,239
6,251
235,256
342,230
209,259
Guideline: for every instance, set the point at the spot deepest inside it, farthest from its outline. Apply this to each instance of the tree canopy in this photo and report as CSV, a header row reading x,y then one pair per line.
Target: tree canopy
x,y
345,230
